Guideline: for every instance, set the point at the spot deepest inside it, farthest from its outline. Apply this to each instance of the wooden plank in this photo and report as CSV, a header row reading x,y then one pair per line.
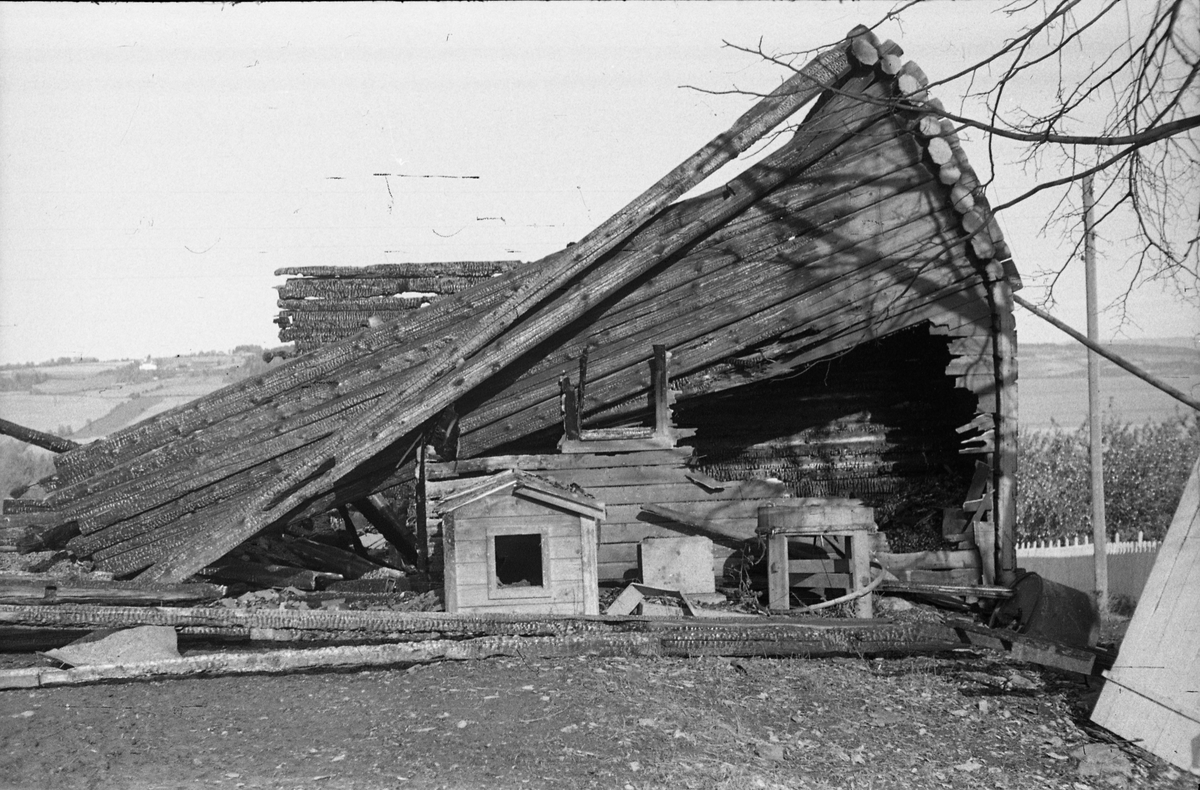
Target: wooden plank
x,y
778,579
928,560
556,462
820,581
737,530
408,269
573,446
450,563
628,552
723,531
860,578
564,501
590,564
703,512
556,524
960,590
683,491
565,587
662,391
958,576
46,592
819,566
620,476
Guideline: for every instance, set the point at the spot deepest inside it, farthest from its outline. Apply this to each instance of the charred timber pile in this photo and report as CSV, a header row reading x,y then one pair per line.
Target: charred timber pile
x,y
846,233
320,305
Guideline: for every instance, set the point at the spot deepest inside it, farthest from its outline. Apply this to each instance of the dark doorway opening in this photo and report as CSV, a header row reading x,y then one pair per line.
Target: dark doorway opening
x,y
519,560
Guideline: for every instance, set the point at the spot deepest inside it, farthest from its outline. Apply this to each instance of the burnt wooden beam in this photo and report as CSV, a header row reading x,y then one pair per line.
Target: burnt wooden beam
x,y
662,391
47,538
570,409
46,441
438,268
392,531
16,590
351,532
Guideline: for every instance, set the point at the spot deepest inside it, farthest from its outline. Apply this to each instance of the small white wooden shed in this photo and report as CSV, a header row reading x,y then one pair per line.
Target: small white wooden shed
x,y
521,544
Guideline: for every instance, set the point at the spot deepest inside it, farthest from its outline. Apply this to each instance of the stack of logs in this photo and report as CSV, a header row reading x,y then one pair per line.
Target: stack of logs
x,y
320,305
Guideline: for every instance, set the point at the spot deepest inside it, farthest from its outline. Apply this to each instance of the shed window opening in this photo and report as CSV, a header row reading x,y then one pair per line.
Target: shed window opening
x,y
519,560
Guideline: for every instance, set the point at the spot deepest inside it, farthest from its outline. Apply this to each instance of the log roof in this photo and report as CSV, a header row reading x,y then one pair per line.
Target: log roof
x,y
870,220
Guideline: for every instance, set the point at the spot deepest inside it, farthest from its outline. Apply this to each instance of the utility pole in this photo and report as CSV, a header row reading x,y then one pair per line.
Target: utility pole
x,y
1095,428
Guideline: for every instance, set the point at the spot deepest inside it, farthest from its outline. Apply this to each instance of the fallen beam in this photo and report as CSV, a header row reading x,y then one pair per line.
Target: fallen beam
x,y
695,525
341,657
46,592
47,441
662,638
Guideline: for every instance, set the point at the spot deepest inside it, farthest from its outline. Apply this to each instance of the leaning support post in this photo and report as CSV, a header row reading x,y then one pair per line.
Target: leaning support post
x,y
46,441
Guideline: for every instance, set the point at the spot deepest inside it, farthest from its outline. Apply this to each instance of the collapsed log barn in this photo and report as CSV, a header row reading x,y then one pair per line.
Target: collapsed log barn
x,y
838,319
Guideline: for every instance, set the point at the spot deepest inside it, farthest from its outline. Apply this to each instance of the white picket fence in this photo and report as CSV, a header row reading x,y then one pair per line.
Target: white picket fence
x,y
1070,563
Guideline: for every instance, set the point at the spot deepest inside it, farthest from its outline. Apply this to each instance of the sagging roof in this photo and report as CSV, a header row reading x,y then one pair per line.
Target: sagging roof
x,y
868,221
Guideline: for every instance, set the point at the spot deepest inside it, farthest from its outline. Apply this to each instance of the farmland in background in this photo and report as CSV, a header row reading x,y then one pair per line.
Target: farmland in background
x,y
86,399
1053,383
1150,439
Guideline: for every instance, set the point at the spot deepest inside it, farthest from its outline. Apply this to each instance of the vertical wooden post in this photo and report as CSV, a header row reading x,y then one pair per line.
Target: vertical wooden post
x,y
1004,471
422,514
860,572
570,408
1095,426
779,580
450,559
662,406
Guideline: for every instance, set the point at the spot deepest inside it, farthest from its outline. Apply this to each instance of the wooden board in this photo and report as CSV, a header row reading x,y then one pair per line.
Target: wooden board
x,y
537,463
1153,693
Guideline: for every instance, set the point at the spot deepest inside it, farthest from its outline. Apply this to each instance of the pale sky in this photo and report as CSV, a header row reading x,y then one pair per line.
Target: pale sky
x,y
159,161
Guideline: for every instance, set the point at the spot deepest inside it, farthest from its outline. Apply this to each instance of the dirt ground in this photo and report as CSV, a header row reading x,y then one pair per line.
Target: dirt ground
x,y
961,720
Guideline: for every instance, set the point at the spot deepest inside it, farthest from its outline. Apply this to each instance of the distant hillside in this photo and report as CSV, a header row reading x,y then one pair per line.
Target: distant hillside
x,y
88,399
1053,382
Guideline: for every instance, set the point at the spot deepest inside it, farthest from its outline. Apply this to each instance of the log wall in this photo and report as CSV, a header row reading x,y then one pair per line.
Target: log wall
x,y
324,304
